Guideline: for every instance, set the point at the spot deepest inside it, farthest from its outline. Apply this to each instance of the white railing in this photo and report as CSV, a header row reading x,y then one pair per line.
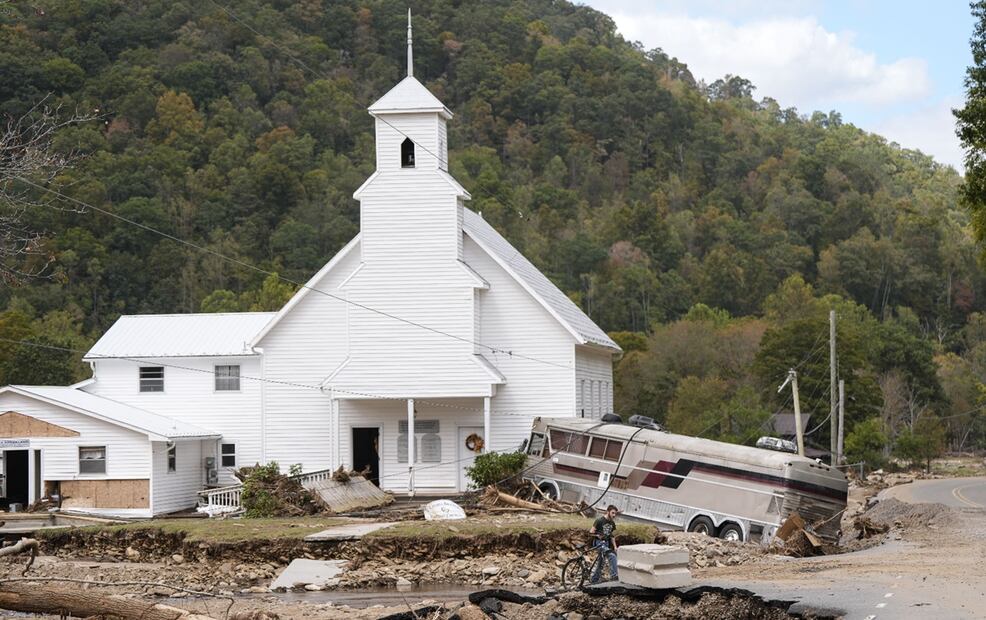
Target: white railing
x,y
222,499
310,478
227,499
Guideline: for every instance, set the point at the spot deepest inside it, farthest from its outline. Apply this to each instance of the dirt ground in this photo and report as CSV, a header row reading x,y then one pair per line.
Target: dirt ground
x,y
940,541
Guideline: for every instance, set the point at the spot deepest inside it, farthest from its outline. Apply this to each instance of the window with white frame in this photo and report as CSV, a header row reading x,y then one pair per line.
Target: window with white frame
x,y
172,457
227,455
427,441
152,378
227,378
92,460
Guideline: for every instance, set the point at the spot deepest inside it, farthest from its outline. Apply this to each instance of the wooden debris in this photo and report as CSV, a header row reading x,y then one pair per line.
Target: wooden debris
x,y
23,545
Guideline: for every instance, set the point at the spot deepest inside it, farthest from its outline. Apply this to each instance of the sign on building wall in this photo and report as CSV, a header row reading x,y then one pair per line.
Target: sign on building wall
x,y
15,444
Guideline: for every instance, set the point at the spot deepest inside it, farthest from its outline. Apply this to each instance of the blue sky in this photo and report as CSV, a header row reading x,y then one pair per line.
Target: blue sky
x,y
894,68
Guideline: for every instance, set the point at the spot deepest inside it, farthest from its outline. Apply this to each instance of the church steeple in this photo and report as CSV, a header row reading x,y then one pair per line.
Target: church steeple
x,y
410,128
410,55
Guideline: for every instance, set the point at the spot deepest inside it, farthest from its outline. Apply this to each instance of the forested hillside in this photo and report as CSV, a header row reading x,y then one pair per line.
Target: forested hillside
x,y
706,226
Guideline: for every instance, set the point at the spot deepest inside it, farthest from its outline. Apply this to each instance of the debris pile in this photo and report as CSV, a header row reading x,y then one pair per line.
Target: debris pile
x,y
709,552
269,493
529,497
895,513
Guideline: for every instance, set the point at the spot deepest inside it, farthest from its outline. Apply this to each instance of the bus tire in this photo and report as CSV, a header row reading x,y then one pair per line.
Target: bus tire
x,y
702,525
731,531
550,490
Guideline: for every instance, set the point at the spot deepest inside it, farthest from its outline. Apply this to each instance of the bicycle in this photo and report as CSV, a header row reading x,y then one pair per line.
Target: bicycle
x,y
578,570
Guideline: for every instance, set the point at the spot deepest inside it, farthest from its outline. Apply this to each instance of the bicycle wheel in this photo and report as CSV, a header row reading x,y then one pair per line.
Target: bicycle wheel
x,y
574,573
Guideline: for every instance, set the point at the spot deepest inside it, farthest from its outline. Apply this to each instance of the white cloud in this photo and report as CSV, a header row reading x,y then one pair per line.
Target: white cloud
x,y
931,129
792,59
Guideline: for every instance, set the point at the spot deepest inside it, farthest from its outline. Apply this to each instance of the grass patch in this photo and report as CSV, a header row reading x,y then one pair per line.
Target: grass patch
x,y
487,525
223,530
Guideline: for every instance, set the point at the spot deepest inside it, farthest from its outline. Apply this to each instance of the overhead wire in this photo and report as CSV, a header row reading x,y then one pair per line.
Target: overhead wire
x,y
311,386
244,264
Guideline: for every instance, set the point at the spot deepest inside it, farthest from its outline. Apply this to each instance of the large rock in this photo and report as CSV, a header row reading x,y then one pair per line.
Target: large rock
x,y
472,612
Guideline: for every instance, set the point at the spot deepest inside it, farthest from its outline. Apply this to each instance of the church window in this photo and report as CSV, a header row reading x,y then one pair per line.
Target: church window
x,y
407,153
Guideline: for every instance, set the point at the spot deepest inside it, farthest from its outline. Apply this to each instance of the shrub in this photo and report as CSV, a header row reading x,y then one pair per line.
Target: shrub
x,y
495,467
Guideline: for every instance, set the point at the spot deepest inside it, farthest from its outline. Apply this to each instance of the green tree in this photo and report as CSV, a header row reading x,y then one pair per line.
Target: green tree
x,y
922,443
866,442
971,125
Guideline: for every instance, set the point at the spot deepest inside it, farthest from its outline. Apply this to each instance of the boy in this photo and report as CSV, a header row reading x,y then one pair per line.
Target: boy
x,y
603,529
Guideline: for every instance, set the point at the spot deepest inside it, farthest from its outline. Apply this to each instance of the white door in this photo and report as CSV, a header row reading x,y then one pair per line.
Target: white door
x,y
465,456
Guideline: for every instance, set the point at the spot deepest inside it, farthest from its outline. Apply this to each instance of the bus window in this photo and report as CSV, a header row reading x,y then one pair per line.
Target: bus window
x,y
560,440
613,450
564,441
536,444
598,448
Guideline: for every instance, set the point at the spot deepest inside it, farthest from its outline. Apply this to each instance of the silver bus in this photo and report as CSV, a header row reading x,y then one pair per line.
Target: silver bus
x,y
688,483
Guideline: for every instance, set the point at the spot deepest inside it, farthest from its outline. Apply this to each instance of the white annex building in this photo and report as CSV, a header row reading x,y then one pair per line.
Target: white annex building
x,y
424,330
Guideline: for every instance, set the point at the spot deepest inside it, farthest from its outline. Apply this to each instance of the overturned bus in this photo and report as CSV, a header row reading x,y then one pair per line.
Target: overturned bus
x,y
699,485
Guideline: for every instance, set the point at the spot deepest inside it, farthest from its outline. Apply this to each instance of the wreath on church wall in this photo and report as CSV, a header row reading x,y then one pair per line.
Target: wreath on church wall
x,y
475,443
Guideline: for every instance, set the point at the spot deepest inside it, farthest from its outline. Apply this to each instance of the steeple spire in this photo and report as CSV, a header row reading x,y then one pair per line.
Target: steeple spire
x,y
410,57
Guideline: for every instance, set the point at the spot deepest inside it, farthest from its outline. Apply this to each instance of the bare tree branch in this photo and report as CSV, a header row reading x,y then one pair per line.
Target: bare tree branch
x,y
27,150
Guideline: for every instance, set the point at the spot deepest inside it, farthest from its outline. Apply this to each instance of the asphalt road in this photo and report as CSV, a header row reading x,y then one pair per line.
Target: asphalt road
x,y
933,573
963,493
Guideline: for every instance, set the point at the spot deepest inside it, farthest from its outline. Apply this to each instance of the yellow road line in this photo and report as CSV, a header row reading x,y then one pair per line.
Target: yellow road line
x,y
957,493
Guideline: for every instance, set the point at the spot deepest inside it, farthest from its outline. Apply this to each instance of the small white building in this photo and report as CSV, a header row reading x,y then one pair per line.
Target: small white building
x,y
424,330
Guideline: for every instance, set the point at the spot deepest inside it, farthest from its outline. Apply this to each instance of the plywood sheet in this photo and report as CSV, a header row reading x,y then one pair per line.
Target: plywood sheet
x,y
16,425
106,493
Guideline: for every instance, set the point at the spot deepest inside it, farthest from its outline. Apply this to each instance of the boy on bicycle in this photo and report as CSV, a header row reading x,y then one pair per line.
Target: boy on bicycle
x,y
605,542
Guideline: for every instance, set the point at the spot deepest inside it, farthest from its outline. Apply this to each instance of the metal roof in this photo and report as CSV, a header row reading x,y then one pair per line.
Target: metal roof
x,y
557,303
784,425
409,96
679,443
114,412
180,335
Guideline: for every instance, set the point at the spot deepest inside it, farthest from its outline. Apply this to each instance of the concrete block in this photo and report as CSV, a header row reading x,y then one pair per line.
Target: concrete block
x,y
654,566
301,572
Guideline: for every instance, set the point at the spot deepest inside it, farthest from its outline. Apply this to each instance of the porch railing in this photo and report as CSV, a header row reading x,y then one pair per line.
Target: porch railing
x,y
221,500
228,499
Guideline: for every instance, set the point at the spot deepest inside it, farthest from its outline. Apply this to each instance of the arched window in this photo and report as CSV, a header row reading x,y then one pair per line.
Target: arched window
x,y
407,153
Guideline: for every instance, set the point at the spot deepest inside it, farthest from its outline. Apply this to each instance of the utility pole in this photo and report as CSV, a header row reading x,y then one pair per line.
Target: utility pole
x,y
792,378
833,423
842,421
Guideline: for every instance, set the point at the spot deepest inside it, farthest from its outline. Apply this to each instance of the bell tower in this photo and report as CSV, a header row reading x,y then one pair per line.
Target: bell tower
x,y
411,124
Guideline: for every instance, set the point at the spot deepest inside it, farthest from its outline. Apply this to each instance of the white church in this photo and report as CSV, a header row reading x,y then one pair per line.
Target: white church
x,y
426,332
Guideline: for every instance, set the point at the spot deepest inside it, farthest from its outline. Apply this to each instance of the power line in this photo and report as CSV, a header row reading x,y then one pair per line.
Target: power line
x,y
309,386
266,272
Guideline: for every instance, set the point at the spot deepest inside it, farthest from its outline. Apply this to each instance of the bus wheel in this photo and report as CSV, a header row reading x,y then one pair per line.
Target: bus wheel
x,y
731,532
702,525
550,491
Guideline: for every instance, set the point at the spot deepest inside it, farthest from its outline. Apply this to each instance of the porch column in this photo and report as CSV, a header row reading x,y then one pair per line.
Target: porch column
x,y
410,446
31,491
486,424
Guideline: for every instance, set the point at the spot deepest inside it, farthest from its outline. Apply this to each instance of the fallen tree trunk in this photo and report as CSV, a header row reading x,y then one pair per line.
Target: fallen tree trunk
x,y
81,604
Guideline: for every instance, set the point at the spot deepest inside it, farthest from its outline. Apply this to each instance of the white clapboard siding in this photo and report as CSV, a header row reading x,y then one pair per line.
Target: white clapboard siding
x,y
190,395
305,347
513,320
594,382
172,491
425,130
410,214
388,414
127,451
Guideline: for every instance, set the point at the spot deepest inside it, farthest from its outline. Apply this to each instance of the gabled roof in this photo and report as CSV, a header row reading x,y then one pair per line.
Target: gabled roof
x,y
157,427
180,335
304,291
409,96
536,283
